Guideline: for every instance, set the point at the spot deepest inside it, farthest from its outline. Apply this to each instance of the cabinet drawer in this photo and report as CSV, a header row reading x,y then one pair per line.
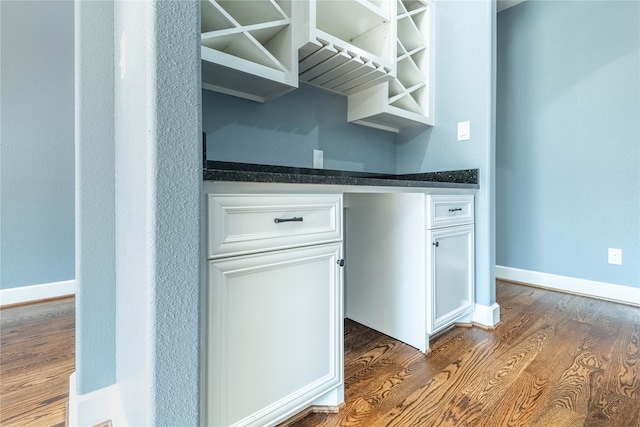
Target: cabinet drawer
x,y
448,210
252,223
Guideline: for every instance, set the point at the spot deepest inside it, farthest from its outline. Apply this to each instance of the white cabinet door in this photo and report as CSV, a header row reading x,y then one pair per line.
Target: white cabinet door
x,y
274,334
450,279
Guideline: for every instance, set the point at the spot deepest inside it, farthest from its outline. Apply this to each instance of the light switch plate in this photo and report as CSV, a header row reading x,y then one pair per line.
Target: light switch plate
x,y
464,131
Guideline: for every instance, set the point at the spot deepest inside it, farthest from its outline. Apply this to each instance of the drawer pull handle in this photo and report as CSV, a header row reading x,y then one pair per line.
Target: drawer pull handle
x,y
294,219
455,209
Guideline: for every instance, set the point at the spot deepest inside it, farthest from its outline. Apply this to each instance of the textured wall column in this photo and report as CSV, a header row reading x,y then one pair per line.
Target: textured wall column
x,y
158,185
177,175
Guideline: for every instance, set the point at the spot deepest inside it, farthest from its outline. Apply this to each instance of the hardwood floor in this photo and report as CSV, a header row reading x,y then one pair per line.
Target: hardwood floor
x,y
556,360
37,355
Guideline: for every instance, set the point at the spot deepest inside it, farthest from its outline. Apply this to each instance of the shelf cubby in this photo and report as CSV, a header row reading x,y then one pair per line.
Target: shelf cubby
x,y
248,48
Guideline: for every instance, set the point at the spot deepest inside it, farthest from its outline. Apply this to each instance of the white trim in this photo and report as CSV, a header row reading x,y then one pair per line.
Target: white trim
x,y
37,292
96,407
486,315
590,288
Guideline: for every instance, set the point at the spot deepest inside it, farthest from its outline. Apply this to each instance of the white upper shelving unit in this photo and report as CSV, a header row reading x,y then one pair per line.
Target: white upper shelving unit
x,y
247,48
407,100
377,52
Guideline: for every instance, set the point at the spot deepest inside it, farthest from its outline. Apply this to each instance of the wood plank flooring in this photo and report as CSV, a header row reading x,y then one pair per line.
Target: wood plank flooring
x,y
37,355
555,360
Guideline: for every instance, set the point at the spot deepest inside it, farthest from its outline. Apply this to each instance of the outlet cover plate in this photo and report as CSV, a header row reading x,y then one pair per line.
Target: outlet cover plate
x,y
615,256
318,159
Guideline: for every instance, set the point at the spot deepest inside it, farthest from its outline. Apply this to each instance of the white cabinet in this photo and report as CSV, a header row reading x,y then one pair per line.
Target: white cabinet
x,y
346,46
248,48
274,307
406,100
450,252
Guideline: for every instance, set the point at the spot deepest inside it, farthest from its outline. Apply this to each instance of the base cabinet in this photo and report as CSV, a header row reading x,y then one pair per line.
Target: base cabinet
x,y
273,323
274,334
450,254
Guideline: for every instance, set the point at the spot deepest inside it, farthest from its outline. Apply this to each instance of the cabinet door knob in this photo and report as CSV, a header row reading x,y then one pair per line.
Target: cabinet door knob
x,y
436,244
341,262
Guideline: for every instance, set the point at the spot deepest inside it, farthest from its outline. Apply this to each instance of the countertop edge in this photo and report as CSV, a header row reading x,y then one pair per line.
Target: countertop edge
x,y
238,172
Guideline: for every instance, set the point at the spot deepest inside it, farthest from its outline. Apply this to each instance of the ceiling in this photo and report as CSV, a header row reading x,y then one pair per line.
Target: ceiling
x,y
504,4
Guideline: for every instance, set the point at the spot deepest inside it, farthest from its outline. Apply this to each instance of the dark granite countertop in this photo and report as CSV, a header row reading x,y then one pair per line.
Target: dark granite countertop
x,y
246,172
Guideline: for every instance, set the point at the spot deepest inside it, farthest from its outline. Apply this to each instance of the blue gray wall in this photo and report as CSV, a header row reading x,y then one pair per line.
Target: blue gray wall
x,y
95,192
568,139
37,149
285,131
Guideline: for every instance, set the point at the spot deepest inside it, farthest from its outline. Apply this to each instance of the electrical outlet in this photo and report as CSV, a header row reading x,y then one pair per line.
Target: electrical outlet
x,y
318,161
615,256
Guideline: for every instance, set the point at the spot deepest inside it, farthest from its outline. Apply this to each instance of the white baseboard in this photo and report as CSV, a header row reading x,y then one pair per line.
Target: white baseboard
x,y
96,407
590,288
486,315
37,292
